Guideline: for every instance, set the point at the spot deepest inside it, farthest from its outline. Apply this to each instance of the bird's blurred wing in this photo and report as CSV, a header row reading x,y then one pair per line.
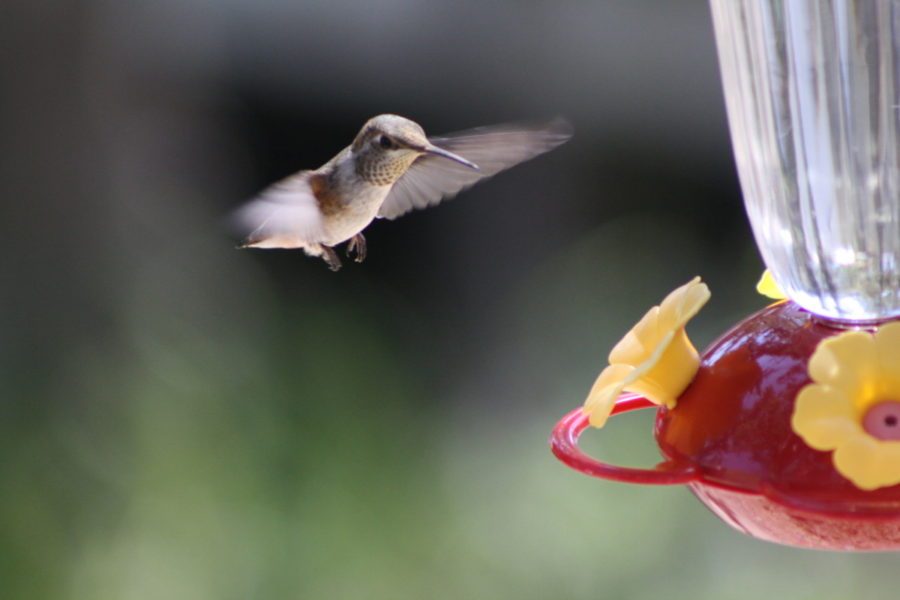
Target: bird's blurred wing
x,y
431,178
284,215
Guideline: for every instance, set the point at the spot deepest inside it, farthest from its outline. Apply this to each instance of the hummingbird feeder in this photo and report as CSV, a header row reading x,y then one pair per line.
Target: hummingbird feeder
x,y
788,426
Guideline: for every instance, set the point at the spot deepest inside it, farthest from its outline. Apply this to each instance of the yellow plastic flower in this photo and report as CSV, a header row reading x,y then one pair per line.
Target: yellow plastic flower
x,y
655,359
853,405
768,287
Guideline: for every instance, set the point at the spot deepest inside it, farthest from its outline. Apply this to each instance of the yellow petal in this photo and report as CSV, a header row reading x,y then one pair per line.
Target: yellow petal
x,y
848,361
667,375
824,417
638,344
682,304
768,287
605,392
869,463
887,344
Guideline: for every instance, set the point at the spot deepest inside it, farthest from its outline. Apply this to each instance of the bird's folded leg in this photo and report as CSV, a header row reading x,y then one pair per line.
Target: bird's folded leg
x,y
357,246
330,257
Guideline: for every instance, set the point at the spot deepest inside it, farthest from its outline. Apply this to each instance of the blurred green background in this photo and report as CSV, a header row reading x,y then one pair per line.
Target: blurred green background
x,y
182,420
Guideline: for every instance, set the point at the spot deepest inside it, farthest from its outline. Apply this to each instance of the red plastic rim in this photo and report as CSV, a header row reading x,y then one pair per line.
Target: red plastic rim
x,y
564,444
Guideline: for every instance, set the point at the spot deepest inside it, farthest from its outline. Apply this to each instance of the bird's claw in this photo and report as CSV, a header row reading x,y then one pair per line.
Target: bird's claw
x,y
357,246
331,258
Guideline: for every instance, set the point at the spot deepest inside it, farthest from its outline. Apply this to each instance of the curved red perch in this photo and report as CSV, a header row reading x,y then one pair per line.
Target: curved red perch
x,y
564,443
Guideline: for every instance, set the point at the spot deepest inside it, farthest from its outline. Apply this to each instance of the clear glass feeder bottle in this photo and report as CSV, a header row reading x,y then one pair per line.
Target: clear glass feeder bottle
x,y
812,89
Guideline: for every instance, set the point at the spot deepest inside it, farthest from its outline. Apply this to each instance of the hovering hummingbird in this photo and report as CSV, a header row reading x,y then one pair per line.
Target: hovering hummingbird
x,y
390,169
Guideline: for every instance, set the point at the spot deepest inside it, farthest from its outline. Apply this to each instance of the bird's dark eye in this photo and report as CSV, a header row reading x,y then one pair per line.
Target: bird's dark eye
x,y
386,142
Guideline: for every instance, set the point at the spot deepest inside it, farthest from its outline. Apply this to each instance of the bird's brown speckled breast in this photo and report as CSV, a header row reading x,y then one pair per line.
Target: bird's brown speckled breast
x,y
381,168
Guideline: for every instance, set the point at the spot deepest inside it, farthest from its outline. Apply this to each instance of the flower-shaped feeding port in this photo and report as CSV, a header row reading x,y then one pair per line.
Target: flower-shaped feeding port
x,y
768,287
655,359
853,406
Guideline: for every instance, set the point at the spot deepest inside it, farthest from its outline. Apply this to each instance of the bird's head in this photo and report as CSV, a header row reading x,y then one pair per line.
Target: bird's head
x,y
388,144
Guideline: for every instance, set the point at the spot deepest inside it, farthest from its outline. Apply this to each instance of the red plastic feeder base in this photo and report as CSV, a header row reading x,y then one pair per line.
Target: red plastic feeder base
x,y
730,441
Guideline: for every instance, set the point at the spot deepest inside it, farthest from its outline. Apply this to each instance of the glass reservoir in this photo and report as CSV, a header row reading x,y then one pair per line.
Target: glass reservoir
x,y
811,88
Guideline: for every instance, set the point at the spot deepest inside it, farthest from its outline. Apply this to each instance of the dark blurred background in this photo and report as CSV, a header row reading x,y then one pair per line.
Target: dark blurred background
x,y
183,420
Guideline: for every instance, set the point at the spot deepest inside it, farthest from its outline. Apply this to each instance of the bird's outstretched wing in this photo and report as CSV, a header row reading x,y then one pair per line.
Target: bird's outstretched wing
x,y
432,178
284,215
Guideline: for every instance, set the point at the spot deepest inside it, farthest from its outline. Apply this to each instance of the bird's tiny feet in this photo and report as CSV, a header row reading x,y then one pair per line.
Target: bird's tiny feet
x,y
331,258
357,246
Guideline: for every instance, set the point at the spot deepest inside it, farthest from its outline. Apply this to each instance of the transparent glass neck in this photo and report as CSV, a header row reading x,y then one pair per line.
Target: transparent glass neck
x,y
811,88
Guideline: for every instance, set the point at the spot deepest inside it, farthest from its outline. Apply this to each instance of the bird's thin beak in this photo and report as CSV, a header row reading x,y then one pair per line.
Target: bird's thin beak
x,y
432,149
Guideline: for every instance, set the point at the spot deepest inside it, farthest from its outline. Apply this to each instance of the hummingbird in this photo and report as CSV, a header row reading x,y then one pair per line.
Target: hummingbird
x,y
391,168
